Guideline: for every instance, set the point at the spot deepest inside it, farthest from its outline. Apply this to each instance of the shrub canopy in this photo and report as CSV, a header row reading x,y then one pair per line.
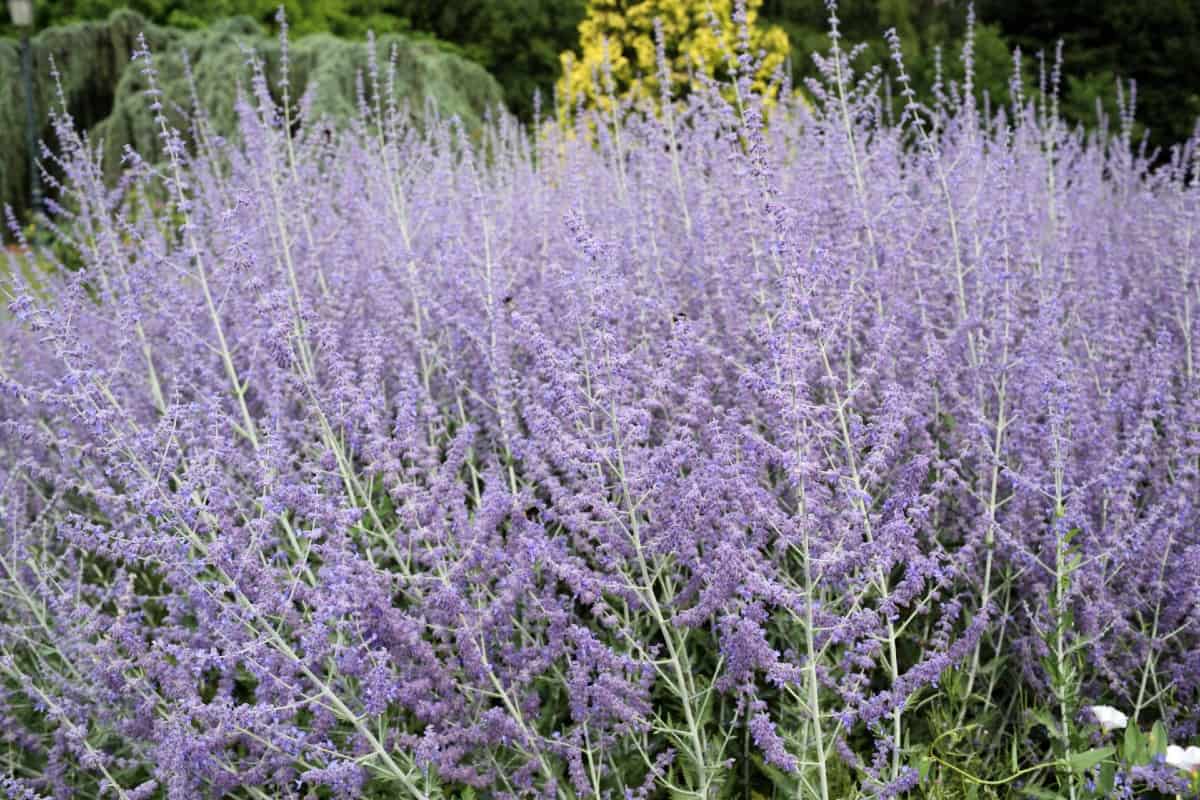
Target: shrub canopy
x,y
106,96
620,43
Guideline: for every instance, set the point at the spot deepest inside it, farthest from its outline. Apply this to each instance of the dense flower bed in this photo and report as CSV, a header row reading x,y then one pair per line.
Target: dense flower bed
x,y
678,452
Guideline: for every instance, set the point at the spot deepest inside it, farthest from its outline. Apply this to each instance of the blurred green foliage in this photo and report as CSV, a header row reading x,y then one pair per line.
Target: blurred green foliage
x,y
1154,44
340,17
519,43
105,96
324,63
930,32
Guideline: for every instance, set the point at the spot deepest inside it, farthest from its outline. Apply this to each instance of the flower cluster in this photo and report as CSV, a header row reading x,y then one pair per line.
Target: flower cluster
x,y
670,454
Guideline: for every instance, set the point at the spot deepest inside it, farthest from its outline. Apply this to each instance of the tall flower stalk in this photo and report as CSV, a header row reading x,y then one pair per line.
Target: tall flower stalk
x,y
712,446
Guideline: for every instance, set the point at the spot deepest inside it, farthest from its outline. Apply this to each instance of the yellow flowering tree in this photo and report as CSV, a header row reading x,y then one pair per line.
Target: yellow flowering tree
x,y
617,37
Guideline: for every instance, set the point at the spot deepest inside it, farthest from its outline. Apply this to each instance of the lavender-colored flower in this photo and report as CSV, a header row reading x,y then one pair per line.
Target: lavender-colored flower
x,y
668,452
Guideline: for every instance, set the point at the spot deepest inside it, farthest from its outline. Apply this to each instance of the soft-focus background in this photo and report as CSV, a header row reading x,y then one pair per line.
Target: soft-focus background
x,y
519,44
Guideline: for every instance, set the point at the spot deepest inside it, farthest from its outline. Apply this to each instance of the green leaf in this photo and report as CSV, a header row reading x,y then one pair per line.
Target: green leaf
x,y
1134,745
1158,740
1082,762
1108,777
923,765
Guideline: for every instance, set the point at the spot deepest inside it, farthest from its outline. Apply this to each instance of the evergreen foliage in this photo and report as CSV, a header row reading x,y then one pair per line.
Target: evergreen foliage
x,y
924,29
106,97
351,18
1153,44
618,41
519,41
89,57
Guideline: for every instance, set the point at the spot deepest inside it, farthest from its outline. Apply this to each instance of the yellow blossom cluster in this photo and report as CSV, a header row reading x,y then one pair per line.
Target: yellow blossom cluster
x,y
617,39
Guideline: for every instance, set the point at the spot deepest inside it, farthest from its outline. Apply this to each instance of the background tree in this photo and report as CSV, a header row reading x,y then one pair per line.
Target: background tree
x,y
1154,44
104,93
519,41
617,38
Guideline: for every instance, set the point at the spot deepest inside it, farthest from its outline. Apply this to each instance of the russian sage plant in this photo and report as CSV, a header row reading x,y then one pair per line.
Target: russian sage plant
x,y
843,453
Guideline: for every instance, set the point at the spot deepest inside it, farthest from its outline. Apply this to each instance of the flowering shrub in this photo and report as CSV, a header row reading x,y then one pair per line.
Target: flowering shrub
x,y
643,48
695,456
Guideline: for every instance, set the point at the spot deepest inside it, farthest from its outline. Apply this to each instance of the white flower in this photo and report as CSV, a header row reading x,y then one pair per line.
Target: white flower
x,y
1108,717
1187,760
